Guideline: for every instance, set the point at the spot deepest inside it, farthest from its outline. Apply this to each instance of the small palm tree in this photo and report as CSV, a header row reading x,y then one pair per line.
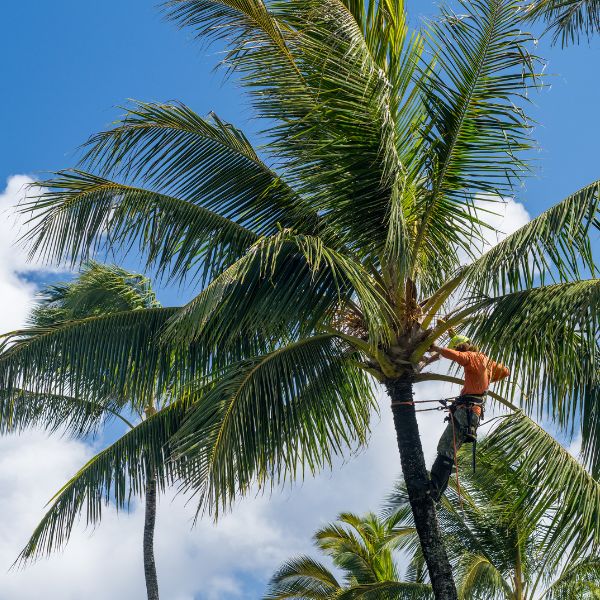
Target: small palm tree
x,y
363,549
519,527
139,455
338,258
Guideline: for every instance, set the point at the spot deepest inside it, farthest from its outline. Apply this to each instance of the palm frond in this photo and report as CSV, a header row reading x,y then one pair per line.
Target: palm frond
x,y
476,127
203,160
548,336
79,213
100,358
388,590
302,577
286,284
335,129
271,418
98,289
478,577
554,486
111,478
569,20
556,244
581,581
22,409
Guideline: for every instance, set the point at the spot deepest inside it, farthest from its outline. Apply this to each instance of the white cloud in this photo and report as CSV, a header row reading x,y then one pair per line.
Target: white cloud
x,y
16,287
503,217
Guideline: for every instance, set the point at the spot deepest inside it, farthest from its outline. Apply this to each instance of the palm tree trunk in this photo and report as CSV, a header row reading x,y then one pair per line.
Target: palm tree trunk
x,y
149,522
417,484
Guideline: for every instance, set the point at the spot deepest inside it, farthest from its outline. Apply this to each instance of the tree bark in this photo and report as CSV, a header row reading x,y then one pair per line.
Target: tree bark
x,y
417,484
149,522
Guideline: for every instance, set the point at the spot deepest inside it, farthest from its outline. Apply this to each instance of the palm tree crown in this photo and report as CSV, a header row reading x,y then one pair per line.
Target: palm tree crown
x,y
362,549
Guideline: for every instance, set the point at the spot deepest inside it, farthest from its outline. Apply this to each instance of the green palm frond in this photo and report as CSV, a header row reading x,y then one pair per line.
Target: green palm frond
x,y
359,546
478,577
556,244
581,581
271,418
78,209
286,283
302,578
111,478
238,21
22,409
554,484
569,20
549,337
335,131
98,289
476,128
202,160
387,590
114,356
529,503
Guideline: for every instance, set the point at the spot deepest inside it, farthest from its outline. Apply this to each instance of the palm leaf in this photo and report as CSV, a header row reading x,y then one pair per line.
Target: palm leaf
x,y
302,577
569,20
554,244
286,283
476,127
110,478
98,289
271,418
388,590
76,210
548,337
556,486
98,358
21,409
580,582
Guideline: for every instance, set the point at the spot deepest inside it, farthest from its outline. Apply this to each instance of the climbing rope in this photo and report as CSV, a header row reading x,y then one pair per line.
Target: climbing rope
x,y
442,401
456,461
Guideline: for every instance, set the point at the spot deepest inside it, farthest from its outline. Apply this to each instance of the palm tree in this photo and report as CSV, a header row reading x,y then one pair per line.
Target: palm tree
x,y
568,20
515,531
362,548
339,257
99,290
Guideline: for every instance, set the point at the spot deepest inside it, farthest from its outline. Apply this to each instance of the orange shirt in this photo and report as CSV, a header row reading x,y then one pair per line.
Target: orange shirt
x,y
480,371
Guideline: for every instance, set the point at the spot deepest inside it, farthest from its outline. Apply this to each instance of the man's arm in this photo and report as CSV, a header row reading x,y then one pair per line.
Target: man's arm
x,y
459,357
498,372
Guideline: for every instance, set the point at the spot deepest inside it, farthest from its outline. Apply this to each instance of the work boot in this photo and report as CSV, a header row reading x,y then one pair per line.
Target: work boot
x,y
440,474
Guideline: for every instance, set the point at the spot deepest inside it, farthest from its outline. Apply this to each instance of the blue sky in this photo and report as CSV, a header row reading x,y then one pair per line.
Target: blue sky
x,y
68,64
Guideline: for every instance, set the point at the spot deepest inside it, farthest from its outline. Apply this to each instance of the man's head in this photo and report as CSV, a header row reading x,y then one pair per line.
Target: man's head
x,y
461,343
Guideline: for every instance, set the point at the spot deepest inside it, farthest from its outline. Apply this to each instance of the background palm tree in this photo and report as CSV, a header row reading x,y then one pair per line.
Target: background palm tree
x,y
339,257
515,532
139,455
362,548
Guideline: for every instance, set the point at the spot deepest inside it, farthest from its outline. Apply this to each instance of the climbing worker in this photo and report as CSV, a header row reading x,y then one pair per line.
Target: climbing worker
x,y
466,411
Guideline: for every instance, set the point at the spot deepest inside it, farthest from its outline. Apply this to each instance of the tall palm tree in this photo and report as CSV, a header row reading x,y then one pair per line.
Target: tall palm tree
x,y
339,257
99,290
363,549
512,528
568,20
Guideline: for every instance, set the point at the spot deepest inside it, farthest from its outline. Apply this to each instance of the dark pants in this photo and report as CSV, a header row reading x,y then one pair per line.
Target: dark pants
x,y
462,426
456,433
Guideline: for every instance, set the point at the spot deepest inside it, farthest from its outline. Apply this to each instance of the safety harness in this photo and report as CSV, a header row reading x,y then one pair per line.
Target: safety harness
x,y
468,402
